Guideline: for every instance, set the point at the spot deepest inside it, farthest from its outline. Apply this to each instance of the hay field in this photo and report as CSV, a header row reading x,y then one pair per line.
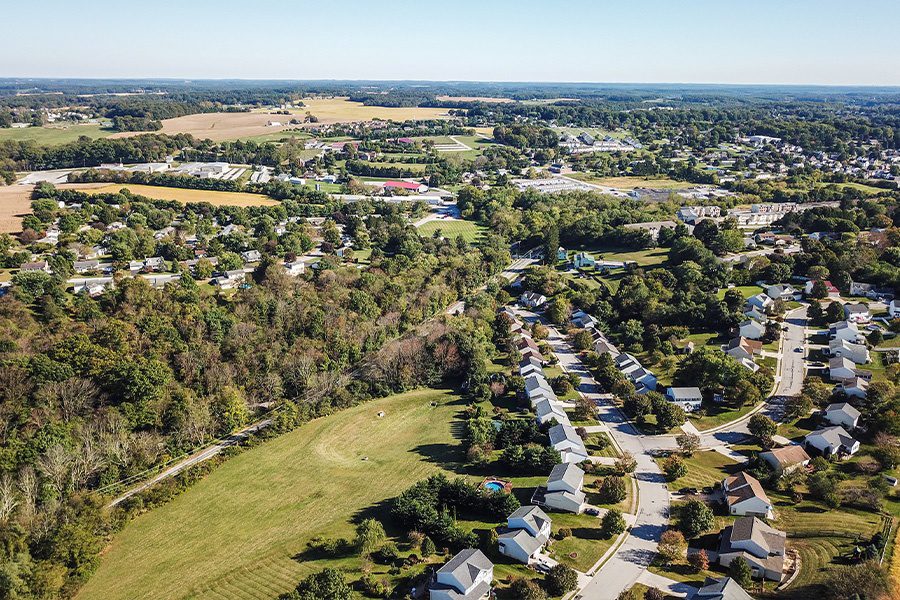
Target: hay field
x,y
231,126
15,203
490,99
184,195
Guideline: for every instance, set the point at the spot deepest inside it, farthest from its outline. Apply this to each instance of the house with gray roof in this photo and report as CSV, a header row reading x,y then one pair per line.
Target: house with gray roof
x,y
527,531
832,441
569,445
843,414
688,398
721,588
563,490
547,411
759,544
467,576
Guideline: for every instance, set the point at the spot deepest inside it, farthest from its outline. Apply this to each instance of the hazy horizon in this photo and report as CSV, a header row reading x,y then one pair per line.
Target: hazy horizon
x,y
825,43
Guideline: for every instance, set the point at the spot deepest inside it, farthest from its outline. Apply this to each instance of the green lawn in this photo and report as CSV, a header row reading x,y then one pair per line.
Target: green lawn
x,y
644,258
704,468
599,444
586,545
717,414
746,290
234,534
450,229
54,135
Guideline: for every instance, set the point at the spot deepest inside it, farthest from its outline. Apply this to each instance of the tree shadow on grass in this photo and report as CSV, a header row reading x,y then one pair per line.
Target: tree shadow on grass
x,y
446,456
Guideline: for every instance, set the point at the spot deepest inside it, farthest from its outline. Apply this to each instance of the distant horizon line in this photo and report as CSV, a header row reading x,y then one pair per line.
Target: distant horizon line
x,y
174,79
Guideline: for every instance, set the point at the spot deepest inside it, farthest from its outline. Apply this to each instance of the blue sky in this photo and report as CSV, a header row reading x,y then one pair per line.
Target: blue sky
x,y
706,41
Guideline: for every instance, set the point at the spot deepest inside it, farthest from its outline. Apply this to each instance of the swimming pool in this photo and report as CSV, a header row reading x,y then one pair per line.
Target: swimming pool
x,y
494,486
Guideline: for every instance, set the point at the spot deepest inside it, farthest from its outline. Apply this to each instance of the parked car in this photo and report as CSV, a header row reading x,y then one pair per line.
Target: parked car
x,y
688,490
592,512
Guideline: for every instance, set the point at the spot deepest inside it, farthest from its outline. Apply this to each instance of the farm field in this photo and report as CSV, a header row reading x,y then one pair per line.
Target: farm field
x,y
54,135
234,533
490,99
15,202
242,125
185,195
451,228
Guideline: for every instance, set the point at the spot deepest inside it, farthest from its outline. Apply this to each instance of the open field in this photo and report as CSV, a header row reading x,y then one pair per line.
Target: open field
x,y
475,99
54,135
15,203
234,533
240,125
704,468
185,195
644,258
450,229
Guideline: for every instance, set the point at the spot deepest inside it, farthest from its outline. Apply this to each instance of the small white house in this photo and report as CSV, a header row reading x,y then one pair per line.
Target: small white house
x,y
894,309
857,313
843,414
856,387
547,411
688,398
752,329
532,299
858,353
527,531
840,368
761,301
251,256
846,330
832,441
569,445
744,496
583,260
468,575
564,488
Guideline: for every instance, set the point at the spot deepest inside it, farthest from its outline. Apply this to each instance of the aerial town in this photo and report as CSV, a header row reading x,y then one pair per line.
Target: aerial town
x,y
324,339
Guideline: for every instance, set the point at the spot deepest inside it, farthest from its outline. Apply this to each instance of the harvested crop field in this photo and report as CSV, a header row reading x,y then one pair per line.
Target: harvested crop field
x,y
232,126
15,203
184,195
491,99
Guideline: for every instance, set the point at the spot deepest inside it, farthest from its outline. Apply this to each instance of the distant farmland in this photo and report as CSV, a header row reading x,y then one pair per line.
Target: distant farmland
x,y
184,195
54,135
240,125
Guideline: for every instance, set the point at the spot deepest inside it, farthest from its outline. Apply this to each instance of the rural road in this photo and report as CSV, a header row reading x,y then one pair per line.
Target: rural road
x,y
194,459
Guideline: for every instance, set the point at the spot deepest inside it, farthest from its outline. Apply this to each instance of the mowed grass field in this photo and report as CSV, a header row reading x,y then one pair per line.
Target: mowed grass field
x,y
235,533
54,135
452,228
630,183
185,195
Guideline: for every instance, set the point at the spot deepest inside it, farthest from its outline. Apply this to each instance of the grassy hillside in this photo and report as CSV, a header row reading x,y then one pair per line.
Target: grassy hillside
x,y
235,534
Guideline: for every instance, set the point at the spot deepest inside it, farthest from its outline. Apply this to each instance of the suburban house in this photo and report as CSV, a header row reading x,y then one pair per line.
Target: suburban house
x,y
722,588
688,398
744,496
786,459
532,299
857,313
847,331
527,530
757,543
752,329
564,488
582,320
530,366
604,346
547,411
782,291
230,280
894,309
832,441
569,445
295,268
524,342
858,353
840,368
467,576
751,312
644,380
40,265
743,348
830,288
536,381
583,260
761,302
843,414
857,387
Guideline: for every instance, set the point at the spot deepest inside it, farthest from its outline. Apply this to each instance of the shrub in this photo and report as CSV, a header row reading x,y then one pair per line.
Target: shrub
x,y
674,467
613,523
613,489
526,589
699,560
563,533
695,518
561,580
388,553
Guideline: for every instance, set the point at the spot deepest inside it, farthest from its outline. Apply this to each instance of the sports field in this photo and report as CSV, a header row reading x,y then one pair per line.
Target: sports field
x,y
254,124
185,195
54,135
233,534
452,228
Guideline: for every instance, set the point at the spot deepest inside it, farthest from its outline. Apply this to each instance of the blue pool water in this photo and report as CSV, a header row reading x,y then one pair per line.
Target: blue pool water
x,y
494,486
